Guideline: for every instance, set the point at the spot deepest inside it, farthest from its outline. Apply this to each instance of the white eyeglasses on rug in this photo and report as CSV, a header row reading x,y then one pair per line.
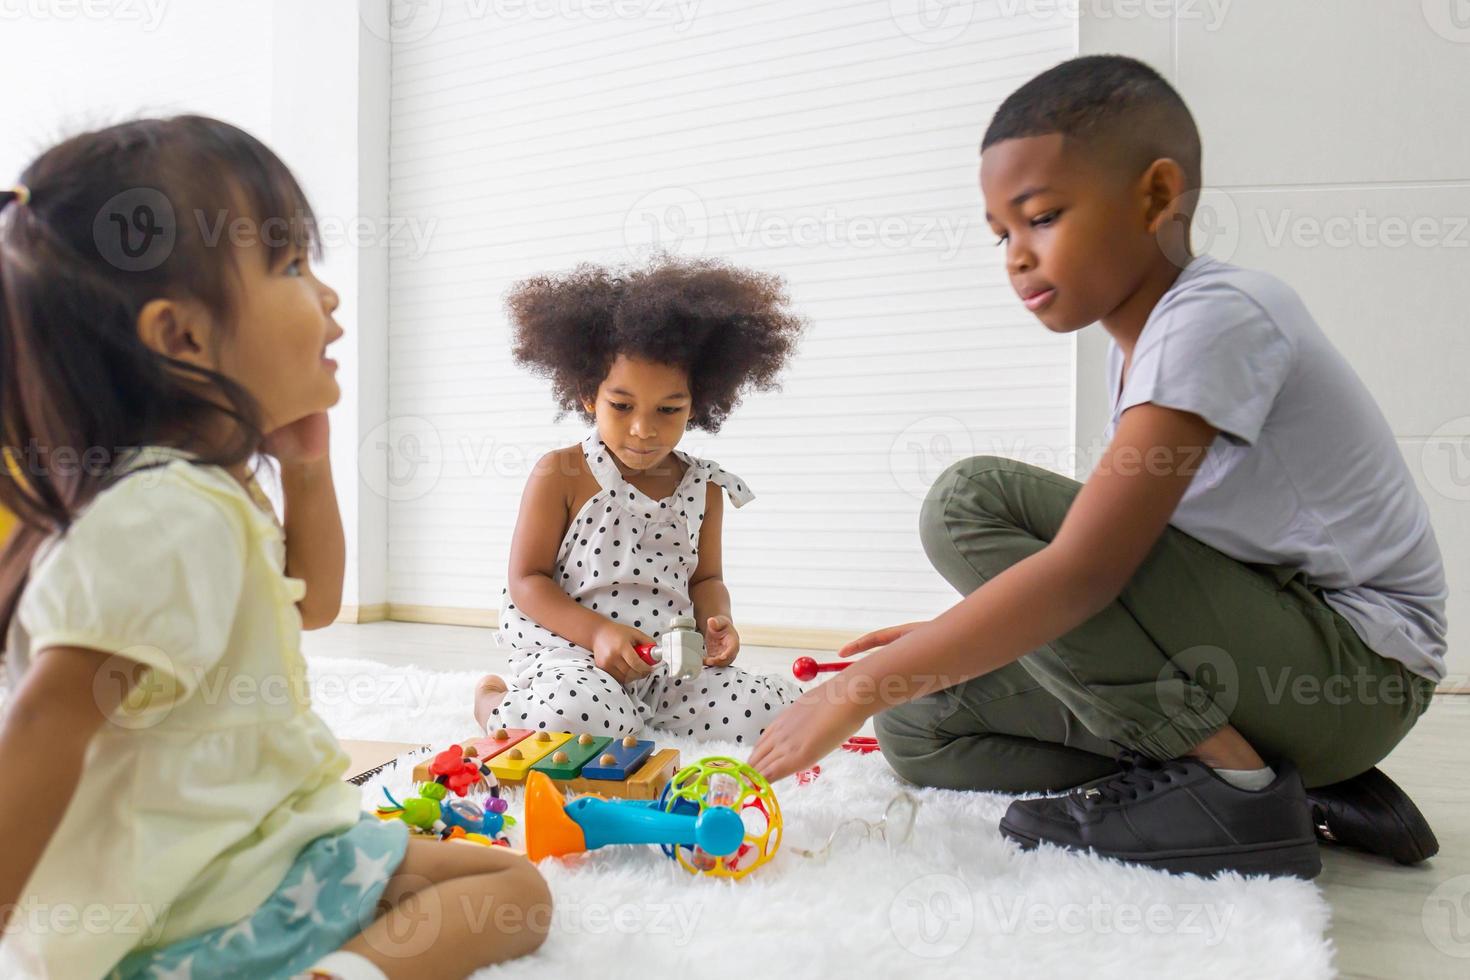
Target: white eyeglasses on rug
x,y
894,828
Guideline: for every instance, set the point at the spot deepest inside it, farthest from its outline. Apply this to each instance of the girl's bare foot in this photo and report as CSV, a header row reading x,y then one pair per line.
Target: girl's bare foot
x,y
488,695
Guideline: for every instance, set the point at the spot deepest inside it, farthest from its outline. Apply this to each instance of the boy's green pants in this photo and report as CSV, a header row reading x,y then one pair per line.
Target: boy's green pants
x,y
1194,641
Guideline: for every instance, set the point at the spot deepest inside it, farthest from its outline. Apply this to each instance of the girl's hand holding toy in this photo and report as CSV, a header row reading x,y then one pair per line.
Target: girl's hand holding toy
x,y
681,648
615,650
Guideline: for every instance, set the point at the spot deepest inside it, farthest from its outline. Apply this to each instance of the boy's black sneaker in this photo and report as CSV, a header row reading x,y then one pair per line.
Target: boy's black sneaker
x,y
1178,816
1371,813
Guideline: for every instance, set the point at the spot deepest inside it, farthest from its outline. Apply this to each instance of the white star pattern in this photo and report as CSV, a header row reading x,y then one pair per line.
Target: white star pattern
x,y
367,872
184,971
242,928
305,894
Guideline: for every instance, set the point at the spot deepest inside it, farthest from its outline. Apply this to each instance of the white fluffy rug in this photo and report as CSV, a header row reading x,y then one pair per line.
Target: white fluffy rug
x,y
957,900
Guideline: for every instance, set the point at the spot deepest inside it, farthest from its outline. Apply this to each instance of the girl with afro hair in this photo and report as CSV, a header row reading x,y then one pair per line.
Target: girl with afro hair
x,y
622,531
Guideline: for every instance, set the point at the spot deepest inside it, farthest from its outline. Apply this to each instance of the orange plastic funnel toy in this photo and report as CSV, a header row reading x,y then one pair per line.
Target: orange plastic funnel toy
x,y
549,831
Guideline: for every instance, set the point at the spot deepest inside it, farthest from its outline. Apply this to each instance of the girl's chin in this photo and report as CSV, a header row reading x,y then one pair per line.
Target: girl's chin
x,y
332,395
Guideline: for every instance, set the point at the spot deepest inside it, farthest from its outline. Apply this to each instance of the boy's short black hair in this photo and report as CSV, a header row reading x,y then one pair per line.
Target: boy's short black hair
x,y
1119,106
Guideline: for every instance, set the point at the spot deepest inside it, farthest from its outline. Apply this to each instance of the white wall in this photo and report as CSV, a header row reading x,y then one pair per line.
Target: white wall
x,y
308,79
1337,157
64,70
1328,115
330,124
788,137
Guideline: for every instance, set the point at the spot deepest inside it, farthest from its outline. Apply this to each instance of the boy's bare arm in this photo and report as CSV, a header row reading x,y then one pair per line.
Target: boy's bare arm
x,y
1115,521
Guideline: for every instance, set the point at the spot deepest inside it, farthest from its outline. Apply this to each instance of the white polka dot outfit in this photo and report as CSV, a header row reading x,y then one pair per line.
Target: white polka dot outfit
x,y
628,557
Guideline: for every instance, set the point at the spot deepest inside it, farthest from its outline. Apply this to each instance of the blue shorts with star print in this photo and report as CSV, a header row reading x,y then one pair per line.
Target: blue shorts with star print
x,y
329,895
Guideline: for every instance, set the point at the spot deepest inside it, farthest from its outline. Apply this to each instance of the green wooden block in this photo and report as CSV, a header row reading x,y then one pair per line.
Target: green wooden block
x,y
577,757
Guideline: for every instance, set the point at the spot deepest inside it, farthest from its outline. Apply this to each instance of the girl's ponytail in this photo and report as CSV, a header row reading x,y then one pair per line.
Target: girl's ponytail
x,y
24,538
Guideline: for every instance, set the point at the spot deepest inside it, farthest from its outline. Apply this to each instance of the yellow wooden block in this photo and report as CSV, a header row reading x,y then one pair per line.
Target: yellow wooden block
x,y
531,751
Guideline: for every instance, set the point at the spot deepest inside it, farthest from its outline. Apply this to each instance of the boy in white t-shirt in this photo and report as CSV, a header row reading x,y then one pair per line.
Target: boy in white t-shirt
x,y
1249,574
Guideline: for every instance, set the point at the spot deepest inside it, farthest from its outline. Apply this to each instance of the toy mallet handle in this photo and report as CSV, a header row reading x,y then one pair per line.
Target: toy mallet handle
x,y
649,653
805,668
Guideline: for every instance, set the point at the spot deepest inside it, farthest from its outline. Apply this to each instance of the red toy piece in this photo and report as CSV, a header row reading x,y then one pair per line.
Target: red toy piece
x,y
645,651
806,669
862,744
448,762
807,776
456,772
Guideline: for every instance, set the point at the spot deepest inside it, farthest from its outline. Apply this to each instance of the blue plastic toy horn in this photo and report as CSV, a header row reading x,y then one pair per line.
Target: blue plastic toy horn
x,y
555,827
718,830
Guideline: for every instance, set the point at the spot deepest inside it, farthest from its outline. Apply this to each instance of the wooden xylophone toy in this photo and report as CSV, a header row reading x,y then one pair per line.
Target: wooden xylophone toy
x,y
626,767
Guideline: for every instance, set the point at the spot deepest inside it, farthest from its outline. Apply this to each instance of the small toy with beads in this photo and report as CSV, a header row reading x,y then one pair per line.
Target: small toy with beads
x,y
457,769
807,669
680,646
432,812
717,817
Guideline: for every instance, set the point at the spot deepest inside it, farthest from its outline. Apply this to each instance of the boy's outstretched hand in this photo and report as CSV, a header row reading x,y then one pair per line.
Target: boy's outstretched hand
x,y
820,721
878,638
721,642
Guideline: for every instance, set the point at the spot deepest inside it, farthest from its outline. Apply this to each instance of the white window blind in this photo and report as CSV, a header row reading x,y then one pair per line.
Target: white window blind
x,y
833,143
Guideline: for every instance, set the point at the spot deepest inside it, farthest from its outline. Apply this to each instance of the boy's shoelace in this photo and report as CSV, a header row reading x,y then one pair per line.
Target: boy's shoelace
x,y
1139,775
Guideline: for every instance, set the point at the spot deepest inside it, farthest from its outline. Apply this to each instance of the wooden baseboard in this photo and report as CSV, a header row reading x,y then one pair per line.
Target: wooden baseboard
x,y
375,613
795,638
444,615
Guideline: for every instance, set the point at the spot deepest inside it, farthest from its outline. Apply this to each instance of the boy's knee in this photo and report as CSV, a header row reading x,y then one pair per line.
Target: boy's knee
x,y
908,742
939,501
951,499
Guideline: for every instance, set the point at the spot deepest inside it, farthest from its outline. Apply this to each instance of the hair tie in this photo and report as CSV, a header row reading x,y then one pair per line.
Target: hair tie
x,y
20,193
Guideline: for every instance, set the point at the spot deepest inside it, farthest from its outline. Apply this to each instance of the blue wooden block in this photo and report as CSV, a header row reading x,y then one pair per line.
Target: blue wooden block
x,y
627,760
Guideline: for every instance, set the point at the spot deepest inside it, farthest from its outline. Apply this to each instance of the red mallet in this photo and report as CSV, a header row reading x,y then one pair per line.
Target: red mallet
x,y
645,651
806,669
